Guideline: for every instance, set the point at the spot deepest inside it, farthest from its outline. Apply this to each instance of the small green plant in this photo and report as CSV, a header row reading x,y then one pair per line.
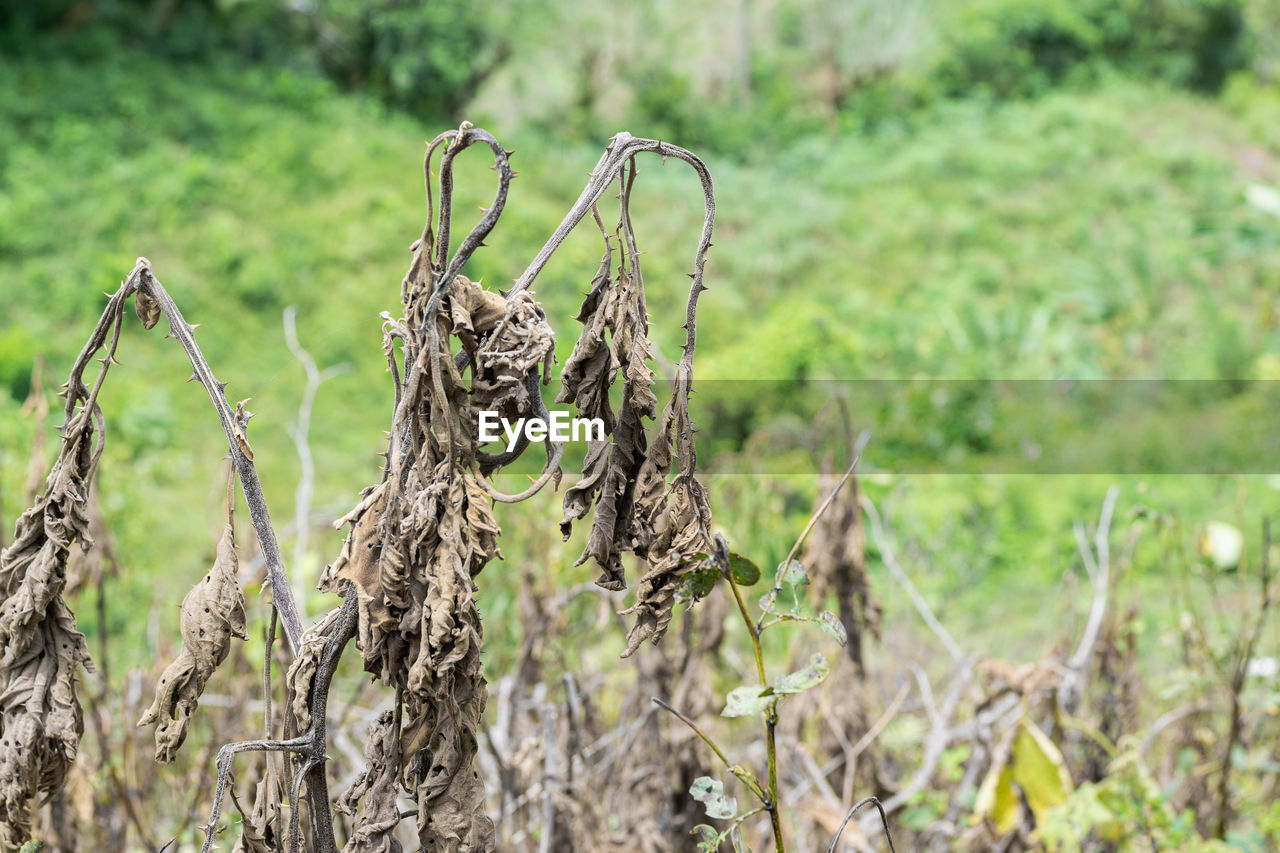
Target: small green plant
x,y
762,698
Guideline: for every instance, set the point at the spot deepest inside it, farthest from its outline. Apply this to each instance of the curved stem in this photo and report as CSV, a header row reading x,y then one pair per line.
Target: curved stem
x,y
241,454
747,779
314,771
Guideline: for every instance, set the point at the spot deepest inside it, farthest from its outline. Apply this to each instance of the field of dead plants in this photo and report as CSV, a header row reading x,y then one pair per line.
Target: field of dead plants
x,y
933,346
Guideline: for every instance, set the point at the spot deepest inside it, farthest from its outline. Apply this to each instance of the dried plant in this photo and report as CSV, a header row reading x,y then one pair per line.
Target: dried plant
x,y
418,539
40,649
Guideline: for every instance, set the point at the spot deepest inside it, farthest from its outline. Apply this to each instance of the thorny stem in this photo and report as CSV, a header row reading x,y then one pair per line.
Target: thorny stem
x,y
317,782
241,454
310,745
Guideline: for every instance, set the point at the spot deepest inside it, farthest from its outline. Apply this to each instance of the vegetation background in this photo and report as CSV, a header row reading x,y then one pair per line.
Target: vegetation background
x,y
977,189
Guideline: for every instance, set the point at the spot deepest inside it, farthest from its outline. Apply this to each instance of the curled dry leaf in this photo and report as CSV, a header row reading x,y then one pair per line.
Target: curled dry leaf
x,y
212,613
510,356
148,309
634,508
42,721
257,833
681,536
372,798
302,671
614,341
40,648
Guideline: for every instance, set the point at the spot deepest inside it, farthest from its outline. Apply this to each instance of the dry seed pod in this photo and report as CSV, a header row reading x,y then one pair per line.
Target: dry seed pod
x,y
212,613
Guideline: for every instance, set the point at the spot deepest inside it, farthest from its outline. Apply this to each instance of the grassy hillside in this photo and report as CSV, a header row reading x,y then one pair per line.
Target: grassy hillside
x,y
1101,232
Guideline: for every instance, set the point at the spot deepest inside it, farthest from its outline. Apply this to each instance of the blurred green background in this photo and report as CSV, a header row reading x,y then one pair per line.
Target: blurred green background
x,y
915,189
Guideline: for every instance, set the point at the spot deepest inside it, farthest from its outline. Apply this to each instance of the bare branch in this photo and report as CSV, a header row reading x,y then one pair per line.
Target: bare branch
x,y
301,431
1098,564
890,560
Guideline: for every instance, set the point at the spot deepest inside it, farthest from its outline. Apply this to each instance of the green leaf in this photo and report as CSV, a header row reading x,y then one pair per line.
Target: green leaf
x,y
747,700
794,573
811,676
744,572
767,601
710,792
828,622
702,581
707,837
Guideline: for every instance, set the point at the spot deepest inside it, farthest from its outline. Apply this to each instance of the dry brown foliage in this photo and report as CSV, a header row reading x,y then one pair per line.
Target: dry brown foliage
x,y
40,649
418,539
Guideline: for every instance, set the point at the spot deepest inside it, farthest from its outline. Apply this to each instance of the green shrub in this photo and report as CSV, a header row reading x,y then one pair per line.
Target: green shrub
x,y
1022,47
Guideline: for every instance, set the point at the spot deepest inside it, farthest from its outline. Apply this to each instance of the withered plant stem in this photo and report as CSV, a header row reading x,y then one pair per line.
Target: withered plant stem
x,y
281,591
310,746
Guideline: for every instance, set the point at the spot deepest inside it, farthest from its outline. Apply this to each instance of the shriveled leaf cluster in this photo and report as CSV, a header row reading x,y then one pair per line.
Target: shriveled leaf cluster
x,y
635,509
40,648
212,613
419,538
372,798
